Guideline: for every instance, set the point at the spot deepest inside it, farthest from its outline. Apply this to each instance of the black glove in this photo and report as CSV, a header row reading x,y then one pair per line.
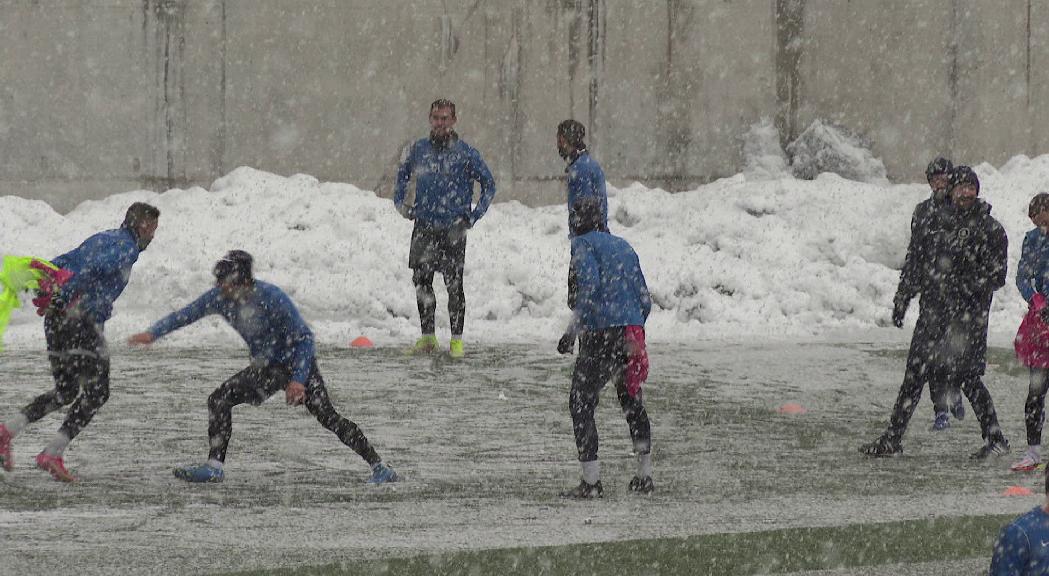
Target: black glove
x,y
1044,314
57,305
458,229
899,310
566,345
407,211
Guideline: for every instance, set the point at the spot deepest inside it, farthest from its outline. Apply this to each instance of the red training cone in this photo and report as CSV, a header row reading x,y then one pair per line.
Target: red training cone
x,y
791,408
1017,491
361,342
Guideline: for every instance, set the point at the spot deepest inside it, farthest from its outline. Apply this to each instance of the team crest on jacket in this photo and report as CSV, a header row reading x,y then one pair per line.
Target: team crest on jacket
x,y
964,233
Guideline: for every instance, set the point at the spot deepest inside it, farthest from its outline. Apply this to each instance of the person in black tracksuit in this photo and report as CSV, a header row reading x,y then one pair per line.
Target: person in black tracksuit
x,y
966,251
943,398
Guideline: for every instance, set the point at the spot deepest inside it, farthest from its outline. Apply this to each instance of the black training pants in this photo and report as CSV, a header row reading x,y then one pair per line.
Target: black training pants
x,y
254,385
971,385
79,360
427,301
602,357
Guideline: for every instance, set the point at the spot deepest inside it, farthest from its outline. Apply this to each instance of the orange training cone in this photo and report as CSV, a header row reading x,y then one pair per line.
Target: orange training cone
x,y
361,342
1017,491
791,408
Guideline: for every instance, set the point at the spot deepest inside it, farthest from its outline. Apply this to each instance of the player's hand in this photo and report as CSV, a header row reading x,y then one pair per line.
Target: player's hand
x,y
407,211
295,394
141,339
566,345
899,310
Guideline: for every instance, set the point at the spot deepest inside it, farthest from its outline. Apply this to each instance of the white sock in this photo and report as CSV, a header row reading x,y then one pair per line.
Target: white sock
x,y
16,423
591,471
644,465
1035,452
215,463
58,445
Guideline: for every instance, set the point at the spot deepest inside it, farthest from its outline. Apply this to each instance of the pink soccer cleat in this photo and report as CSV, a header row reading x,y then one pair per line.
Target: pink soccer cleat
x,y
54,466
6,460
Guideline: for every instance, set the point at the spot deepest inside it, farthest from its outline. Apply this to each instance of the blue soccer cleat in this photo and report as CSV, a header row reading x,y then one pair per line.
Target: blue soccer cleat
x,y
942,422
199,473
381,474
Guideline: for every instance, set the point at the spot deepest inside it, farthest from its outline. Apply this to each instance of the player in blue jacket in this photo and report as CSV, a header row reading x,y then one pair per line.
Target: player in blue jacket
x,y
445,170
584,175
1023,546
610,297
74,326
282,358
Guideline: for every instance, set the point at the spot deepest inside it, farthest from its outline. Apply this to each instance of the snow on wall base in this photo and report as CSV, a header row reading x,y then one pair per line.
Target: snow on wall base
x,y
767,258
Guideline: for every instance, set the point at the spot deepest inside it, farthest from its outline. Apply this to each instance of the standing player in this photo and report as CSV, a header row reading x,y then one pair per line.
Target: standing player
x,y
610,301
445,170
282,358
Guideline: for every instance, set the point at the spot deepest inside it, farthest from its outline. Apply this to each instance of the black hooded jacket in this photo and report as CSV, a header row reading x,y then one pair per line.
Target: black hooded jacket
x,y
963,260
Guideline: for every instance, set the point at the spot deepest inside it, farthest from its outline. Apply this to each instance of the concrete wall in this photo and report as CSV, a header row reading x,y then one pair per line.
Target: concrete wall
x,y
103,96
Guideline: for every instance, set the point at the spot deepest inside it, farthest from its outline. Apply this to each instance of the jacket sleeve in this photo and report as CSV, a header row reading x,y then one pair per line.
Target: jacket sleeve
x,y
300,337
204,305
910,275
990,271
404,175
1025,272
479,171
1010,553
587,278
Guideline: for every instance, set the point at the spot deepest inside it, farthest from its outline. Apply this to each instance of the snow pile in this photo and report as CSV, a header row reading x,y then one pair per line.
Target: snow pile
x,y
824,147
763,158
740,257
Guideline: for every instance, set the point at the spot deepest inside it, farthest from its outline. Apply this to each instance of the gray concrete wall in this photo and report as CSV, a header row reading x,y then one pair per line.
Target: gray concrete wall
x,y
103,96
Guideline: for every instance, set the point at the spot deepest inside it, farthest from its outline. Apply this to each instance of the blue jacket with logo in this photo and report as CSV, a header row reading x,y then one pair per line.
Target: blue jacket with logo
x,y
101,266
268,322
444,178
610,289
1032,275
1023,546
585,178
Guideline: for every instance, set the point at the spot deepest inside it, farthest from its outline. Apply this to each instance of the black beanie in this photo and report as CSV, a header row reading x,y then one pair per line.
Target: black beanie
x,y
234,267
964,175
938,166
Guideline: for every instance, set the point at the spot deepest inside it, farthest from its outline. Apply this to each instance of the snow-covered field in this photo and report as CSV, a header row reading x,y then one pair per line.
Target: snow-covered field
x,y
767,289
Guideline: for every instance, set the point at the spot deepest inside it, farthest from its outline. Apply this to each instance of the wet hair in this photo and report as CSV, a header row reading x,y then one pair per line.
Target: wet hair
x,y
964,175
586,216
234,267
1039,204
573,132
938,166
443,103
138,213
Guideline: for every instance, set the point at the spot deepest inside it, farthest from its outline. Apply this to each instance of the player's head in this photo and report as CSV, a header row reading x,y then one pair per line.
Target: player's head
x,y
233,273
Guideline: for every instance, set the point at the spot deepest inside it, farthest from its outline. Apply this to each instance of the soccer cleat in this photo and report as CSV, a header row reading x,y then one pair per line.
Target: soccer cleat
x,y
883,446
958,407
584,491
941,422
54,466
1026,464
455,348
641,485
199,473
996,446
382,474
6,460
425,345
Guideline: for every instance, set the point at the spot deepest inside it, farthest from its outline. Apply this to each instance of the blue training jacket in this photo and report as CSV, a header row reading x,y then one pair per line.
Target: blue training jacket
x,y
268,322
1032,275
1023,546
586,178
101,265
610,287
444,180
